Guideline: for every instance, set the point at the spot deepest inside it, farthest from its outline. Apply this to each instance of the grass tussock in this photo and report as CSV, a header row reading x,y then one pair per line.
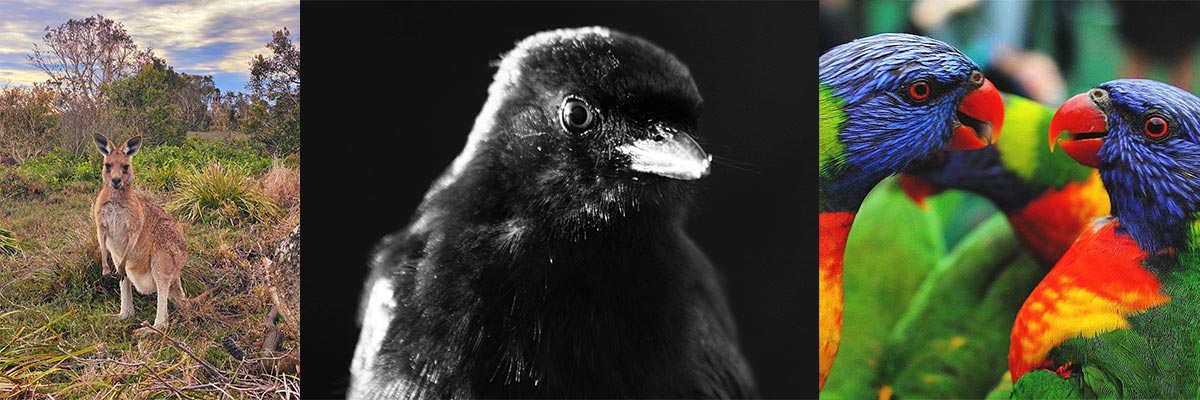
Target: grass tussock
x,y
58,335
8,242
222,194
33,354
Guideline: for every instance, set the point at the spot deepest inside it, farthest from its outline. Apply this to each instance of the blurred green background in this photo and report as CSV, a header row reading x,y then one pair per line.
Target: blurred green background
x,y
1098,50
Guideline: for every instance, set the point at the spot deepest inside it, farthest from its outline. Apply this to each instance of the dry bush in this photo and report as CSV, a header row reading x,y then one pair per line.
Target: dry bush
x,y
281,184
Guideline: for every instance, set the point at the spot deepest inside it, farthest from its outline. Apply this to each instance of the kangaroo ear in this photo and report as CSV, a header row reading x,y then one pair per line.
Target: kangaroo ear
x,y
102,143
132,145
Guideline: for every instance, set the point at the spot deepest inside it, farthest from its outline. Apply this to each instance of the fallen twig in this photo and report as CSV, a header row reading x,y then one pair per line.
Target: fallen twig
x,y
184,349
162,381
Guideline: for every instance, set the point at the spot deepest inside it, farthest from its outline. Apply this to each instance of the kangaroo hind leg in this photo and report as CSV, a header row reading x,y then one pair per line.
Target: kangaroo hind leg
x,y
178,295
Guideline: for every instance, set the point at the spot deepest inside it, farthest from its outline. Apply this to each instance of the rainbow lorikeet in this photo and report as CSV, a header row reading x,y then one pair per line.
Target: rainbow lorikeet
x,y
1048,198
1118,316
886,102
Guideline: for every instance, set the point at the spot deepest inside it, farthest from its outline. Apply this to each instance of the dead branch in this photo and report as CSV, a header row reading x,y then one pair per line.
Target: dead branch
x,y
184,349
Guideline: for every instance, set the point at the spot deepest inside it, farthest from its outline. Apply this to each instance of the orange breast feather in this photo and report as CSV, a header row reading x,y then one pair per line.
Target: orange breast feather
x,y
1097,284
835,228
1049,225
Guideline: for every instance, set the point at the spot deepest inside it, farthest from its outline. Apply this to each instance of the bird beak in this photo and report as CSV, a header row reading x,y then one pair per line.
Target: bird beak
x,y
1085,125
668,153
918,189
980,117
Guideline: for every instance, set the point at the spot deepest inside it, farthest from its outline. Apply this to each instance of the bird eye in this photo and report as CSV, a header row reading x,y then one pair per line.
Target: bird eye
x,y
918,90
977,77
577,115
1156,127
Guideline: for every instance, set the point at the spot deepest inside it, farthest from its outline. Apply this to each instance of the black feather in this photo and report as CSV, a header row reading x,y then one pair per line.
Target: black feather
x,y
541,264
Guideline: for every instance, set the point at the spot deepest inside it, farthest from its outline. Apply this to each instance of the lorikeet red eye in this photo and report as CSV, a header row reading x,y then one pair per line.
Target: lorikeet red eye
x,y
918,91
1156,127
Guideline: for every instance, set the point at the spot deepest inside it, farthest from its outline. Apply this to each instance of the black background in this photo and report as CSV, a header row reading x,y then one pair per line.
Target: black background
x,y
392,89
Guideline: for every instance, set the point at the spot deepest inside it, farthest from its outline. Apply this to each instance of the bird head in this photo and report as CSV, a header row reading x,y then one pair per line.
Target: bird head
x,y
1144,137
902,98
589,123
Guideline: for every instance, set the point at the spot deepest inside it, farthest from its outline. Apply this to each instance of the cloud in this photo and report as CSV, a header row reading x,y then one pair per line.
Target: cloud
x,y
197,36
20,77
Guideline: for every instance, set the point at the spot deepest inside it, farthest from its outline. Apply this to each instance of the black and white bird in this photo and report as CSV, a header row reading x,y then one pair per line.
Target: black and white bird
x,y
550,259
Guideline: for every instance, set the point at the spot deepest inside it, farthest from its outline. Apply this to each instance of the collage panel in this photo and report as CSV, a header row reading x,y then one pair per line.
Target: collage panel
x,y
149,200
504,199
563,199
1008,199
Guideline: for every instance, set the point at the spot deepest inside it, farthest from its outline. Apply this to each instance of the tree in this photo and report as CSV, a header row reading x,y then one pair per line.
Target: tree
x,y
81,57
159,103
273,118
28,122
226,110
197,94
277,78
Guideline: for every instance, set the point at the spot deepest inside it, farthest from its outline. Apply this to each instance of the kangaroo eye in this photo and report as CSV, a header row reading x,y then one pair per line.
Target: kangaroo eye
x,y
1156,127
107,166
125,167
919,90
577,115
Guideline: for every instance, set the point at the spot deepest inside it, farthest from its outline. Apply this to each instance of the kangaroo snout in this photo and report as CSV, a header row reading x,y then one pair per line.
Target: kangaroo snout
x,y
116,183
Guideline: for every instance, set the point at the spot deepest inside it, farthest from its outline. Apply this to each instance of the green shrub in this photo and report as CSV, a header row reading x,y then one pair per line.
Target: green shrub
x,y
220,194
160,167
159,177
13,185
292,161
55,170
156,167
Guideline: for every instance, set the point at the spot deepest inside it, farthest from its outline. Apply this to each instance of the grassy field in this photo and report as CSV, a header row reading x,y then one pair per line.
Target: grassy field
x,y
58,338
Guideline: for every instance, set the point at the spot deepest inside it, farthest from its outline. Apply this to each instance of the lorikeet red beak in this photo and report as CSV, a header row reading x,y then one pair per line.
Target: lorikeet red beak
x,y
1085,124
980,117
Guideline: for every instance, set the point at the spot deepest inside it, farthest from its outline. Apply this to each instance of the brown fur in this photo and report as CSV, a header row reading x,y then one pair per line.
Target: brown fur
x,y
146,243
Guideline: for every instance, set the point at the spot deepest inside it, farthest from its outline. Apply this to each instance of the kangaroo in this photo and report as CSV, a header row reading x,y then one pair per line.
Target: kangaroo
x,y
145,242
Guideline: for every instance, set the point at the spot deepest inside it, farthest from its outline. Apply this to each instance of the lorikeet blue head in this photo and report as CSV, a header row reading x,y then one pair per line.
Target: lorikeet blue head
x,y
891,100
1144,136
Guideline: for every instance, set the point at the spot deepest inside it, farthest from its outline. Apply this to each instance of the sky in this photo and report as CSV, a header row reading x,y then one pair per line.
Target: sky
x,y
197,37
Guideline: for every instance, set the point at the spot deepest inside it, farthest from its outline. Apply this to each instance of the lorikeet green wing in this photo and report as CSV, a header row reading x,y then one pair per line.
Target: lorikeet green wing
x,y
886,102
951,342
1119,315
